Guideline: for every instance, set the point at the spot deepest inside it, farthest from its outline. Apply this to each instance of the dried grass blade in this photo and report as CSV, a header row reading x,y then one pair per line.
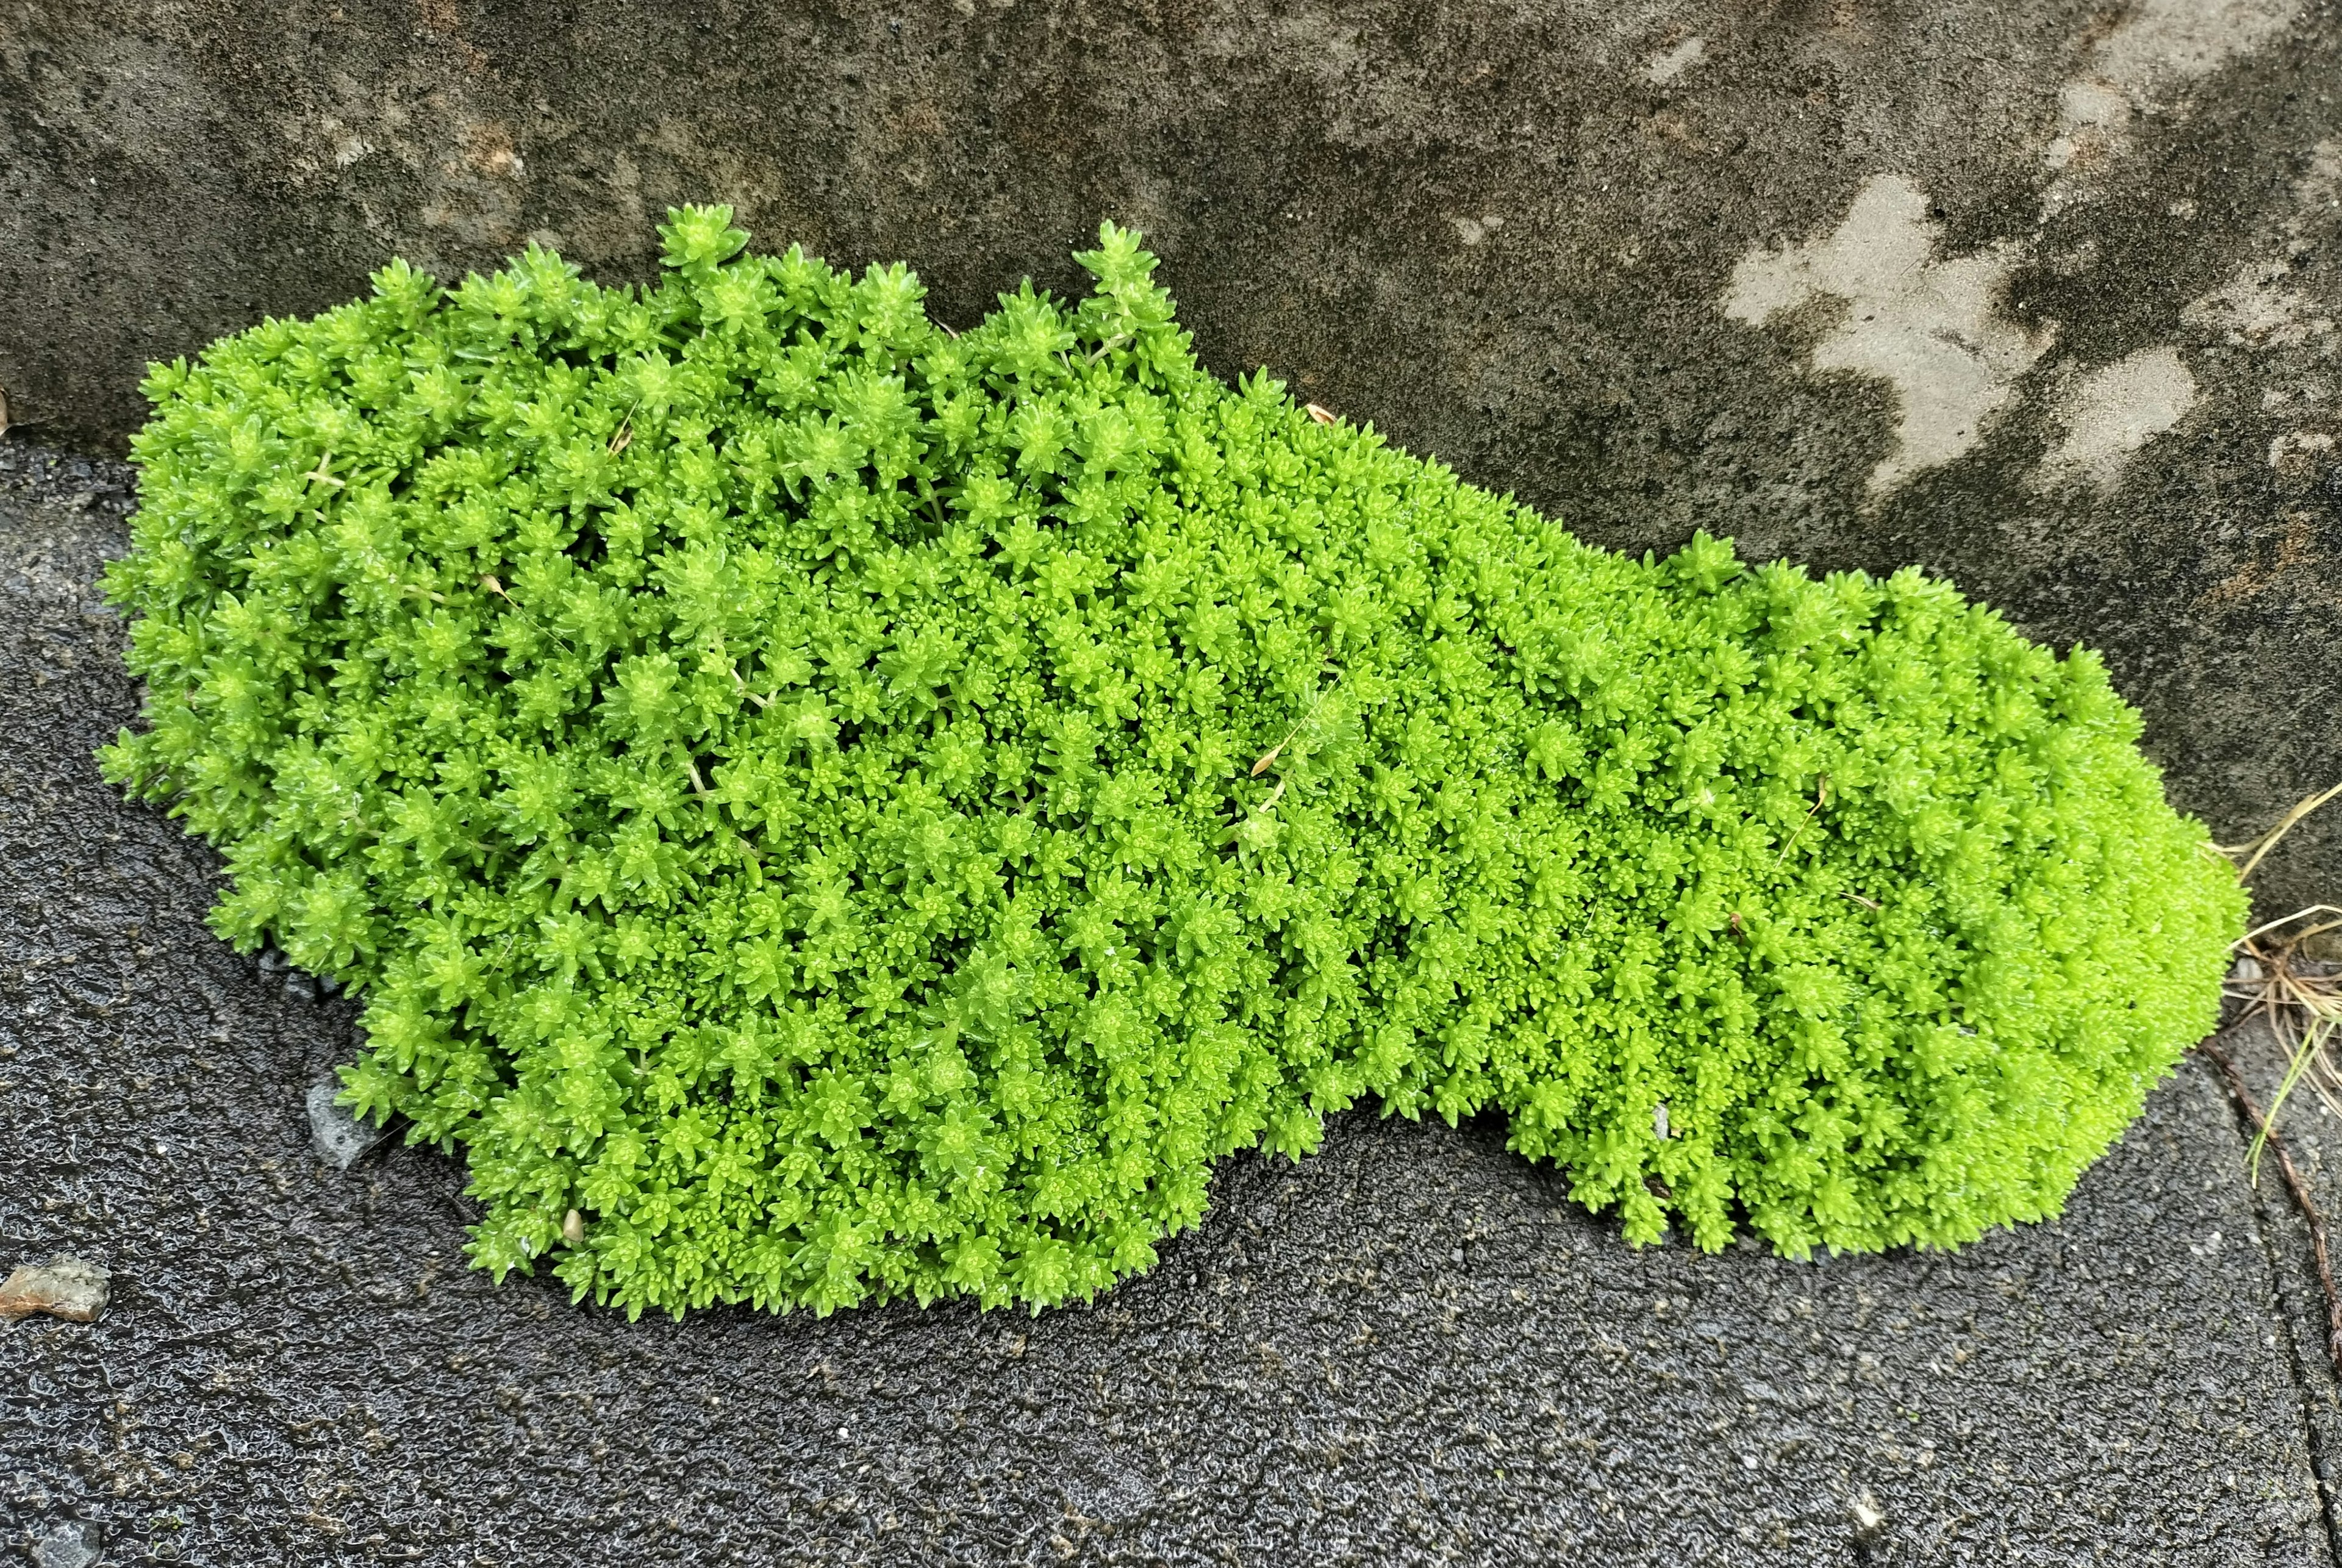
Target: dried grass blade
x,y
2313,1040
2268,841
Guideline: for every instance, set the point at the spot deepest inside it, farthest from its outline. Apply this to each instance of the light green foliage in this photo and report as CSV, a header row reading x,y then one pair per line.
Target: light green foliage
x,y
784,780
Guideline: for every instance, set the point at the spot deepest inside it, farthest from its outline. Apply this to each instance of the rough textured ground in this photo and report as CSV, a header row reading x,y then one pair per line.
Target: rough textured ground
x,y
1406,1349
2042,295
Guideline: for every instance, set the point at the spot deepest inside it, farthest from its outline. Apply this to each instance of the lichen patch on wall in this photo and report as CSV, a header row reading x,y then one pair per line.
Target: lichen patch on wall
x,y
1668,64
1936,329
1932,326
2139,68
2112,412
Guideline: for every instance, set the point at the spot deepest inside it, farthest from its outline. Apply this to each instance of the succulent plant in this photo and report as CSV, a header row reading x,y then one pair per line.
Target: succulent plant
x,y
820,809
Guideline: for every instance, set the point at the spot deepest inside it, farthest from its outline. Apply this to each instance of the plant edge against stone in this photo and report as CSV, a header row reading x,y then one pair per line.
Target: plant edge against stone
x,y
823,809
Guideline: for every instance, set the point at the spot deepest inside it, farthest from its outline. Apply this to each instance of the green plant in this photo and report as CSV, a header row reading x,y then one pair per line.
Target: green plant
x,y
822,809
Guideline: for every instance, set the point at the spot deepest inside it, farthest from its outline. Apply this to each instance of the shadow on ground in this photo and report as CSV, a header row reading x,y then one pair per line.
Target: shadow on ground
x,y
1409,1348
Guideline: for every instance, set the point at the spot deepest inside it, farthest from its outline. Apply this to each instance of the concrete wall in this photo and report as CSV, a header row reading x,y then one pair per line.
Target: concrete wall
x,y
2042,296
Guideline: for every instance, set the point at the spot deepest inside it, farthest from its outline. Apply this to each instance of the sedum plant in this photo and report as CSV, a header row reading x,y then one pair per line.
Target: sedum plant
x,y
821,809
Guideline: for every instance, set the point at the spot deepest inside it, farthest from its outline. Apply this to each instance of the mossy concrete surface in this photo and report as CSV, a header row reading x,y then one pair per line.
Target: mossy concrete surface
x,y
2041,296
1408,1348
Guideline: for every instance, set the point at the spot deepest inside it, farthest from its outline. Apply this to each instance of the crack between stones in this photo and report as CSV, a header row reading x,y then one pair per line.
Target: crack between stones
x,y
2280,1274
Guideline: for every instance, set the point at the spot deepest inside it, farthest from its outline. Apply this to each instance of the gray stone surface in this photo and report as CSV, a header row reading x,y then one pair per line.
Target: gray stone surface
x,y
2043,296
1406,1349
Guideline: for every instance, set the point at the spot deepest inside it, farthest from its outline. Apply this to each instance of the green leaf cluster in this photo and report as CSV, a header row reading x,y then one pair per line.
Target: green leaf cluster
x,y
860,811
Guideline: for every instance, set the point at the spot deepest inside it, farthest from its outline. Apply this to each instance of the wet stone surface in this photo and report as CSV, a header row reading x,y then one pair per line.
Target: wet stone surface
x,y
1408,1348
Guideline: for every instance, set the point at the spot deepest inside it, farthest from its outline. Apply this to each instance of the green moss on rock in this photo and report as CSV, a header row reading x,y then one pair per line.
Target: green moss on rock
x,y
856,812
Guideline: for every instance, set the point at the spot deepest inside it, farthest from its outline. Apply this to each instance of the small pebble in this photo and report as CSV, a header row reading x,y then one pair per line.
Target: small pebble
x,y
1868,1518
63,1287
71,1546
340,1139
